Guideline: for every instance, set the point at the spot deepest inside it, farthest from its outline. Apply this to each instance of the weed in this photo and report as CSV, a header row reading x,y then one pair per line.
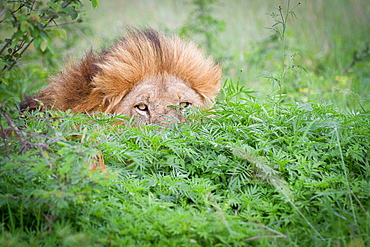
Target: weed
x,y
279,29
256,173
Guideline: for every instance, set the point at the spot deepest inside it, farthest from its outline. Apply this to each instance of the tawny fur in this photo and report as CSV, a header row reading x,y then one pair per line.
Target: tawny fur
x,y
101,81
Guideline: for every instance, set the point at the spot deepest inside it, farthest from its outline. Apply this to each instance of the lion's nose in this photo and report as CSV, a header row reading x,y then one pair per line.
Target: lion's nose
x,y
165,116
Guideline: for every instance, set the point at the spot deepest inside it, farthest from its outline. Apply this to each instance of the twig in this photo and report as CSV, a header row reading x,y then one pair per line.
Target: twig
x,y
49,219
54,15
12,125
6,67
61,24
5,46
16,131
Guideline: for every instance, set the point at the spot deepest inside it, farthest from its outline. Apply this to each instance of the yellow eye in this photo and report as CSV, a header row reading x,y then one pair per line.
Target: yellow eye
x,y
142,107
184,104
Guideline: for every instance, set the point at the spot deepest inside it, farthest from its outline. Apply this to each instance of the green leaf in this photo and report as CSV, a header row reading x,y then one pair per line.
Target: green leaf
x,y
53,5
24,26
95,3
62,33
74,15
43,45
37,42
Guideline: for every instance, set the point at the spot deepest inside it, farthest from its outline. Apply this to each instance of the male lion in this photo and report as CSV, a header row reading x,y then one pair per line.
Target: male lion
x,y
146,75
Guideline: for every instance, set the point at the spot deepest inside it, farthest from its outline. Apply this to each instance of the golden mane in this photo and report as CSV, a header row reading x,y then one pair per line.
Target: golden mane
x,y
100,81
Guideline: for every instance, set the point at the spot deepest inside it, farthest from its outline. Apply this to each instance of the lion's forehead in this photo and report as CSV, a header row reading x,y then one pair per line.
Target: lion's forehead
x,y
162,90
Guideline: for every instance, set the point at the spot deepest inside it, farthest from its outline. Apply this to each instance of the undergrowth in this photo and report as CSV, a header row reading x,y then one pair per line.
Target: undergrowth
x,y
245,173
248,172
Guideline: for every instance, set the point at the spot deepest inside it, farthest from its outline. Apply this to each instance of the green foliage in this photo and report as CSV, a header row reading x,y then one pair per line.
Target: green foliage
x,y
31,25
247,172
286,58
279,29
243,173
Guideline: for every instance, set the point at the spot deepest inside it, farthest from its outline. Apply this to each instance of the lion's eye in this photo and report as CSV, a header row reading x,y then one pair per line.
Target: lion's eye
x,y
142,107
184,104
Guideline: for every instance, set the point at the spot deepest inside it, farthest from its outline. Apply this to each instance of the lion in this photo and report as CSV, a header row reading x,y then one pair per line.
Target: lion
x,y
146,75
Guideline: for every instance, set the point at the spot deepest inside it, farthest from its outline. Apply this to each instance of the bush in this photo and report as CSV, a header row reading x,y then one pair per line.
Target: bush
x,y
32,25
250,173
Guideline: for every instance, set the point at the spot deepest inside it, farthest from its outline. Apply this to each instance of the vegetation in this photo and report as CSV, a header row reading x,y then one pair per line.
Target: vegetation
x,y
279,167
33,26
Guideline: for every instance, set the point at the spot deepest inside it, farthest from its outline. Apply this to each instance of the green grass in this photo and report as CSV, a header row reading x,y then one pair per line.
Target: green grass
x,y
259,169
252,173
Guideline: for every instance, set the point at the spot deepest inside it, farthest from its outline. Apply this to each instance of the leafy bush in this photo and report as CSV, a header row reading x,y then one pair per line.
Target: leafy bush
x,y
249,173
32,25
